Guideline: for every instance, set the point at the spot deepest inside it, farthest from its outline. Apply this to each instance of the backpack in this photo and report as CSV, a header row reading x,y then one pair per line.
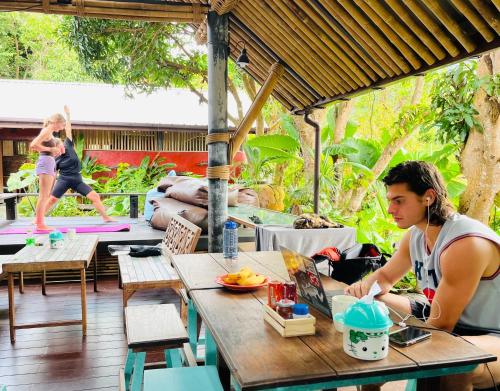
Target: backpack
x,y
353,263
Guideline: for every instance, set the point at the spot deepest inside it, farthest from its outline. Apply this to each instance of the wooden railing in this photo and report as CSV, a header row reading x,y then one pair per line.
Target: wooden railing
x,y
10,200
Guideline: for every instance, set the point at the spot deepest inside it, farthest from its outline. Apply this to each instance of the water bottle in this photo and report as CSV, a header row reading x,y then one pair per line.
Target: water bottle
x,y
30,238
230,240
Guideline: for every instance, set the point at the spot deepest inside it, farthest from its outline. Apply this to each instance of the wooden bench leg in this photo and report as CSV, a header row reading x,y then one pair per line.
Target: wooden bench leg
x,y
173,358
210,349
192,327
12,309
44,282
84,301
129,368
138,373
21,282
95,271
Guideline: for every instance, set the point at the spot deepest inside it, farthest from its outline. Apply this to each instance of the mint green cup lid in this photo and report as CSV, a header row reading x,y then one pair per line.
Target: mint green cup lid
x,y
55,235
373,316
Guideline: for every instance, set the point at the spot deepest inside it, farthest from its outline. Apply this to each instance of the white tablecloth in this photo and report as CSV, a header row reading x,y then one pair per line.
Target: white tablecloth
x,y
304,241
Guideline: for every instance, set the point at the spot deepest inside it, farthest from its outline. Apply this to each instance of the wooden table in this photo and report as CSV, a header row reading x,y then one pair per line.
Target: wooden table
x,y
241,344
75,254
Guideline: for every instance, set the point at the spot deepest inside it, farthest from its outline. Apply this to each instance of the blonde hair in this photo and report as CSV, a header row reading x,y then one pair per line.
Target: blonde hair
x,y
54,119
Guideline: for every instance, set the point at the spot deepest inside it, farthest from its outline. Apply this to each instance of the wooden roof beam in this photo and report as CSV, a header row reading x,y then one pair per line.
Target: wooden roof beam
x,y
273,55
267,88
223,6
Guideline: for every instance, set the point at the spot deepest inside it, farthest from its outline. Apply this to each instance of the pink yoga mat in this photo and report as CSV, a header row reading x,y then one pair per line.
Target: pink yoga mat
x,y
82,230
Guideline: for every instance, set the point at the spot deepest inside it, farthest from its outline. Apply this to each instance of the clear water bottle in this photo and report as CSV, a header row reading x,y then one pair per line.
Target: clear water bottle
x,y
230,240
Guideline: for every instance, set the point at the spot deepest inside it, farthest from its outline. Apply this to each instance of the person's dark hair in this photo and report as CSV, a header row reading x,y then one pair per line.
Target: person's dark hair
x,y
421,176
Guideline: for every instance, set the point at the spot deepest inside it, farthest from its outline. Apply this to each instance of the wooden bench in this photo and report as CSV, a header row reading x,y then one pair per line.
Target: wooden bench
x,y
146,273
181,237
150,328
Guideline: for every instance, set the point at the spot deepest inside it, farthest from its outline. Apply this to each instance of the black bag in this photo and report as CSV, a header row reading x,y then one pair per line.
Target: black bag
x,y
357,261
144,251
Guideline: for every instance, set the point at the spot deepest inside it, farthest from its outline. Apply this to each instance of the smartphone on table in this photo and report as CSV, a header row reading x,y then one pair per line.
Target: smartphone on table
x,y
408,336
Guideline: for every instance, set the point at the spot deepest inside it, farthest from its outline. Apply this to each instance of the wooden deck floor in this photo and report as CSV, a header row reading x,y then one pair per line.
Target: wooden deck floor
x,y
58,358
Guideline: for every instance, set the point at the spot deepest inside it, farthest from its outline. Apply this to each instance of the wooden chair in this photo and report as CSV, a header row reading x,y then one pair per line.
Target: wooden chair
x,y
181,236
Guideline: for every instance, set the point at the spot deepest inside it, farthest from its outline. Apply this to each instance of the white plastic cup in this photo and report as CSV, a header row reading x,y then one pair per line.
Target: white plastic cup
x,y
71,233
339,304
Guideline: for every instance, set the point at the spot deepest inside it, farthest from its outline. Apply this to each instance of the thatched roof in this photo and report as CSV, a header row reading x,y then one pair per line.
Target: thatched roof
x,y
331,49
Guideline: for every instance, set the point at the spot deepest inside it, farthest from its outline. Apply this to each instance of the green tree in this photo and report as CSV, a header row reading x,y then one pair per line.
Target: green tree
x,y
30,48
145,56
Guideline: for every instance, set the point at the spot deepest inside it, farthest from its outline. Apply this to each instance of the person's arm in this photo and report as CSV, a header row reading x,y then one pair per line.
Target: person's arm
x,y
68,130
44,135
462,266
387,275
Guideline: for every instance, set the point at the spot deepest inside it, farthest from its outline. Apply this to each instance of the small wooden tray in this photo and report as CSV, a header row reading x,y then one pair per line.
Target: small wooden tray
x,y
290,327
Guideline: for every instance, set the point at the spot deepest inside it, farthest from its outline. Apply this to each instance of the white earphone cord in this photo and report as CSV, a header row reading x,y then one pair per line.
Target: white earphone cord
x,y
425,269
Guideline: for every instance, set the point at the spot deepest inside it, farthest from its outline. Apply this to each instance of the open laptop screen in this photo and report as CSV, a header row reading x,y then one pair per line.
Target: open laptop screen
x,y
304,272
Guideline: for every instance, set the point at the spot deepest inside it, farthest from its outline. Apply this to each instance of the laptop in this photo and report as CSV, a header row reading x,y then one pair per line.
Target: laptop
x,y
304,272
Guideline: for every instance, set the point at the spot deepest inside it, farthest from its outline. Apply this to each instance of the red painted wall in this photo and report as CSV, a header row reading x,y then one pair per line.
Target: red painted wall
x,y
195,162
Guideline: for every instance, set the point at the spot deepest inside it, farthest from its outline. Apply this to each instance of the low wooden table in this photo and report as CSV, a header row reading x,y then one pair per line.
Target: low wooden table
x,y
241,344
146,273
75,254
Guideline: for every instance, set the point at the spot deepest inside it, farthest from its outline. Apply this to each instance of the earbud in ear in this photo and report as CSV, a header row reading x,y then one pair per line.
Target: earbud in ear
x,y
428,201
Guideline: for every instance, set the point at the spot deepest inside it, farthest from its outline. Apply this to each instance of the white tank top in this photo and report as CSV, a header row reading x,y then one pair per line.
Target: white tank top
x,y
482,312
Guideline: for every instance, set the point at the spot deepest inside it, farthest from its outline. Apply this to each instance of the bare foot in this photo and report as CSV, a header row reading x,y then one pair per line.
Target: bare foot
x,y
43,227
109,219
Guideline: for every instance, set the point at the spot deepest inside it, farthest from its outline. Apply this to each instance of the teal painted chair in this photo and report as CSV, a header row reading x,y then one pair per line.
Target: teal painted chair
x,y
151,328
203,378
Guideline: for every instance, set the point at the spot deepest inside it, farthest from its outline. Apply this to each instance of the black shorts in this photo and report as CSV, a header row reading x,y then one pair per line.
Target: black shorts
x,y
74,183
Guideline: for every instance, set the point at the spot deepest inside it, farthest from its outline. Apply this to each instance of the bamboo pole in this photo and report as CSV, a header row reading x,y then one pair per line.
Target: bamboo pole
x,y
288,94
334,42
267,88
308,41
475,19
260,64
292,93
421,33
223,6
363,39
450,24
432,26
168,13
403,48
497,4
266,61
487,14
186,9
338,35
270,31
46,6
311,38
402,31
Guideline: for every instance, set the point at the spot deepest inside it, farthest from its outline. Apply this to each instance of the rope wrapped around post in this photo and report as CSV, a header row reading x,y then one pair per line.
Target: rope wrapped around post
x,y
218,172
80,7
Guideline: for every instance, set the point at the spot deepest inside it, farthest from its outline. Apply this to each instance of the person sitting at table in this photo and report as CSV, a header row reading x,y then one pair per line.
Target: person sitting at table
x,y
69,166
456,261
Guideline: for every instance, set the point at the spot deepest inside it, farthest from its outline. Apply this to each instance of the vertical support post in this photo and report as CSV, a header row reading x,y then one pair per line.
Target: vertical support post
x,y
217,123
317,154
10,208
134,206
1,167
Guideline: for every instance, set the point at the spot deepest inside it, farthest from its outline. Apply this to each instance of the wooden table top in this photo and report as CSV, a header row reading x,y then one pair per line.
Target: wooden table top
x,y
258,357
74,254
